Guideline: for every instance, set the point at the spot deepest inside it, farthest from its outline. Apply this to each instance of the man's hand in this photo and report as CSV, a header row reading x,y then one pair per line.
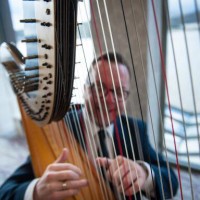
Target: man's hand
x,y
124,173
60,180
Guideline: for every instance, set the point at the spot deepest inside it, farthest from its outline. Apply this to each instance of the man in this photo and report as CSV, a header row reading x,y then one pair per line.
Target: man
x,y
130,164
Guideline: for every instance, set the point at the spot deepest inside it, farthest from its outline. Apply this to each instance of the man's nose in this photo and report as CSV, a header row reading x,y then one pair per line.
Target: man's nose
x,y
110,97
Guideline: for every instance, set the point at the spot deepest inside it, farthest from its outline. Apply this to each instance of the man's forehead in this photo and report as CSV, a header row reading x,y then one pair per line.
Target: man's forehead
x,y
104,72
109,67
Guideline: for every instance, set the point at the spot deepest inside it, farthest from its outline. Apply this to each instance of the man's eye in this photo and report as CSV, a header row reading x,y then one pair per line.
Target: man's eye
x,y
99,88
118,92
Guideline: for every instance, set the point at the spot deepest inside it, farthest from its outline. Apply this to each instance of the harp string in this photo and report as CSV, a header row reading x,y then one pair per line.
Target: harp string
x,y
190,70
167,92
95,25
90,143
92,150
82,135
85,124
148,102
98,101
69,142
156,149
180,99
131,105
197,14
119,142
159,107
77,157
137,84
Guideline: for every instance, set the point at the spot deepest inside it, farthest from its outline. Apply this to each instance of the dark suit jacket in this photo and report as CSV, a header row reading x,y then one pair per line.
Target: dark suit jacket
x,y
14,187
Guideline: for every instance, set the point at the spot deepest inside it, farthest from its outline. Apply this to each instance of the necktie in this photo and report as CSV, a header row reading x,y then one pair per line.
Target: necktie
x,y
102,141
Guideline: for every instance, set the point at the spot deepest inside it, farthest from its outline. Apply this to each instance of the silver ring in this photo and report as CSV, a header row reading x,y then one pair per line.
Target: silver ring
x,y
64,185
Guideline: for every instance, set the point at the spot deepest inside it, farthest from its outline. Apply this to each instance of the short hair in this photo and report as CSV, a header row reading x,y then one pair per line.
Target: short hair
x,y
108,56
111,56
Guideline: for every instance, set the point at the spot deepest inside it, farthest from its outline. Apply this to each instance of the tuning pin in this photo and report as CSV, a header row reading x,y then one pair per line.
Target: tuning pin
x,y
45,64
17,75
47,108
46,46
28,20
31,68
36,75
46,24
50,75
31,88
45,88
30,57
47,101
45,78
49,94
31,81
49,82
49,66
48,11
30,40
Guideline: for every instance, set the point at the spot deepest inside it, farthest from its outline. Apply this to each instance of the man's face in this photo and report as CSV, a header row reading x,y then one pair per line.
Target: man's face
x,y
108,80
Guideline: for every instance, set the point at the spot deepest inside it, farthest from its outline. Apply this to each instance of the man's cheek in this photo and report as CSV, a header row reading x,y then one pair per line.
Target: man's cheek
x,y
121,107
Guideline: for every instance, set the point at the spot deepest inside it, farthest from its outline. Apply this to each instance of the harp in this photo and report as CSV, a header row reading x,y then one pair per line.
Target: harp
x,y
31,76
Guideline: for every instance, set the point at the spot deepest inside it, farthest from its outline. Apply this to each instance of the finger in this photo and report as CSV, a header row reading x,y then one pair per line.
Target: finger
x,y
61,175
60,195
120,160
128,182
104,162
107,163
121,174
116,163
63,156
76,184
72,184
63,167
116,168
72,188
130,177
135,186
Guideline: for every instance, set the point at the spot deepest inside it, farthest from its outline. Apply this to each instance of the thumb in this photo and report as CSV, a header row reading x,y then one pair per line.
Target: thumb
x,y
63,156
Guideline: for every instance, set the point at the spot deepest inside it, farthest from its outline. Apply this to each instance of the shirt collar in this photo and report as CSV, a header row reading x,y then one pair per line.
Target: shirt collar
x,y
93,125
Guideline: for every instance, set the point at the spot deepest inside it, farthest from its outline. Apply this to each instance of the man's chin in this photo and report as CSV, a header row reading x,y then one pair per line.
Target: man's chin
x,y
105,121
